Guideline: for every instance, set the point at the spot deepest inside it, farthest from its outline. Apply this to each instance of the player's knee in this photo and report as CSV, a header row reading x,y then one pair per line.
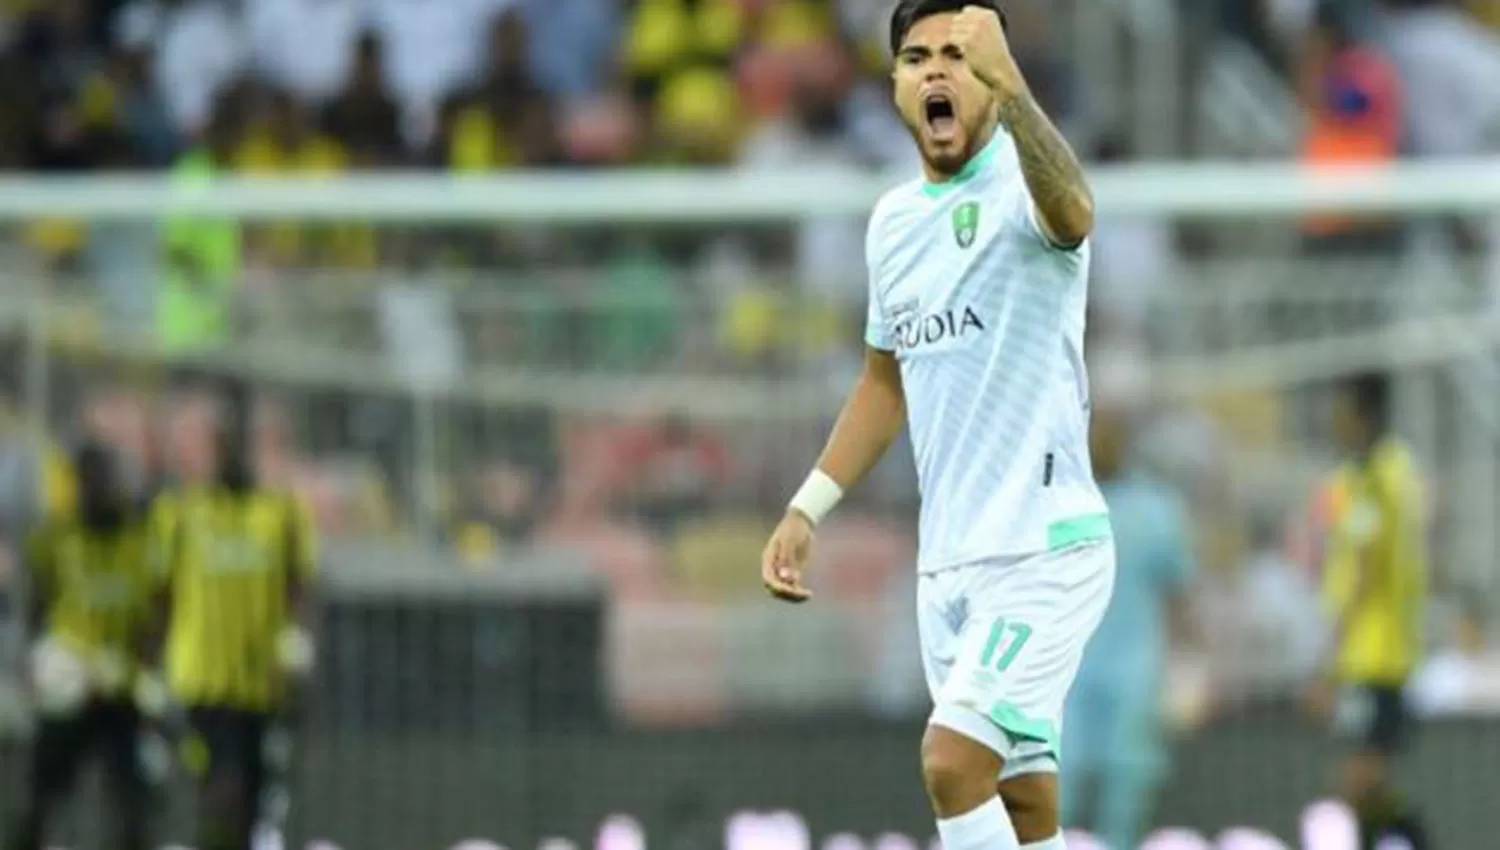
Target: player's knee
x,y
959,773
1032,801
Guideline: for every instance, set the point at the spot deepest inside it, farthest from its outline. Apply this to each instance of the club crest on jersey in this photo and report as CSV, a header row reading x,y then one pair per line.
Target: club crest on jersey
x,y
966,223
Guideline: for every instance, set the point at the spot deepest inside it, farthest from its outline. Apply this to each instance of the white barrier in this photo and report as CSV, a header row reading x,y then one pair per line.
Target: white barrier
x,y
1207,190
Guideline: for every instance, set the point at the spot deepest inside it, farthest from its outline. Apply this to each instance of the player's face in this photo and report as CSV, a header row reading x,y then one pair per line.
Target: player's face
x,y
947,108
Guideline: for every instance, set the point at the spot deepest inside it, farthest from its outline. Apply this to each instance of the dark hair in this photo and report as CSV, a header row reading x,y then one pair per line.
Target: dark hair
x,y
100,501
908,12
1370,393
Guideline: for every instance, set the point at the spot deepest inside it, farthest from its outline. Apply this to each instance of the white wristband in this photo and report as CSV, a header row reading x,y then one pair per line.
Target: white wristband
x,y
817,496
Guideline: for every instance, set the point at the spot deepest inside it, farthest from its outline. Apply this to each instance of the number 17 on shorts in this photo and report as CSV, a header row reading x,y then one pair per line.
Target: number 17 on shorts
x,y
1013,702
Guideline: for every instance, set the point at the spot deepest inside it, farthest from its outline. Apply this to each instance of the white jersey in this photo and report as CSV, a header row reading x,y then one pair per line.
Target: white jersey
x,y
986,318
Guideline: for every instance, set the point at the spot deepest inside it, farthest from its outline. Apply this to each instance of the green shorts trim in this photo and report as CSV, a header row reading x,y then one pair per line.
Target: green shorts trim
x,y
1080,529
1019,727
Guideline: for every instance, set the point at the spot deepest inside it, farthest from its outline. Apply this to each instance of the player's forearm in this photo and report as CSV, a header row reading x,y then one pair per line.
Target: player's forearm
x,y
1053,174
872,417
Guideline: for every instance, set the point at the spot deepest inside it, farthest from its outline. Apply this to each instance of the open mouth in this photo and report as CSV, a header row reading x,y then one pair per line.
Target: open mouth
x,y
942,119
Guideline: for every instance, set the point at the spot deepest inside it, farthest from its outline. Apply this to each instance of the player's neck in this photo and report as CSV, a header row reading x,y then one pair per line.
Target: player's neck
x,y
937,176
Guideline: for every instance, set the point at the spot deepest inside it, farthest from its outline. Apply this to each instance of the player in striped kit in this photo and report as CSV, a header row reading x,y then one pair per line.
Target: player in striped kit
x,y
978,277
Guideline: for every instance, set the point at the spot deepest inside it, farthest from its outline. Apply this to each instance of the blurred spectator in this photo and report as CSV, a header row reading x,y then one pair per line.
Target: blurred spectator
x,y
698,119
1113,723
1282,632
663,37
671,471
1485,11
431,49
365,116
814,133
500,510
304,46
20,110
599,131
1450,66
201,256
573,45
505,119
140,111
1462,678
634,317
1355,118
60,47
200,49
280,140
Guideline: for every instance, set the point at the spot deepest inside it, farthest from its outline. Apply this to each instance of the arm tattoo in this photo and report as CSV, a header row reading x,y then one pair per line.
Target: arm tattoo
x,y
1053,175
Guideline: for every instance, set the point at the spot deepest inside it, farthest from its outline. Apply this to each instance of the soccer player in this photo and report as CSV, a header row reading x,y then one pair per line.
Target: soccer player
x,y
1375,589
237,561
978,275
1114,738
91,588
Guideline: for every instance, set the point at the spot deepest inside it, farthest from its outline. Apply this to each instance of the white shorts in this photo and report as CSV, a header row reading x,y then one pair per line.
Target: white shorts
x,y
1001,644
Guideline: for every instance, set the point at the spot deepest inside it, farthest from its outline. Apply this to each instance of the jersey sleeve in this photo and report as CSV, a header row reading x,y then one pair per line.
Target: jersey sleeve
x,y
877,331
1024,215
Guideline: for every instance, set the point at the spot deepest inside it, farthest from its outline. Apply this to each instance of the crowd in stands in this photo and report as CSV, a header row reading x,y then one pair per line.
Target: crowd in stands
x,y
670,508
468,85
1415,73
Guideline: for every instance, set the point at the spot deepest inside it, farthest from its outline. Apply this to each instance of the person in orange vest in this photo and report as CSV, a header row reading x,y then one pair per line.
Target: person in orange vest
x,y
1355,120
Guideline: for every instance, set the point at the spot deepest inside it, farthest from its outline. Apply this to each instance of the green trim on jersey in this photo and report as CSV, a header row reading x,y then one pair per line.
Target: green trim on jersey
x,y
1079,529
975,164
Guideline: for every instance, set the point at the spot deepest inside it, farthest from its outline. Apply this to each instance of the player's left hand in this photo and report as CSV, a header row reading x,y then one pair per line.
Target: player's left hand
x,y
978,33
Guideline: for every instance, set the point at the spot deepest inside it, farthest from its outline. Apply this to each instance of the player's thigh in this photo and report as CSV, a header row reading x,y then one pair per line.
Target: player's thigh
x,y
1019,649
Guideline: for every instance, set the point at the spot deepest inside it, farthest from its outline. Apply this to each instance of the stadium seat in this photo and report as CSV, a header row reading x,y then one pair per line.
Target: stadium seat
x,y
719,558
855,557
769,669
749,327
666,662
625,556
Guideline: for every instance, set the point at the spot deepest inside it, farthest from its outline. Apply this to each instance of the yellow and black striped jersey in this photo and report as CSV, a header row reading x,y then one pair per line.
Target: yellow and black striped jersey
x,y
230,562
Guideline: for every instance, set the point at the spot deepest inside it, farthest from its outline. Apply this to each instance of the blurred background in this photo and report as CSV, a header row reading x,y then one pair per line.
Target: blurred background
x,y
545,445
